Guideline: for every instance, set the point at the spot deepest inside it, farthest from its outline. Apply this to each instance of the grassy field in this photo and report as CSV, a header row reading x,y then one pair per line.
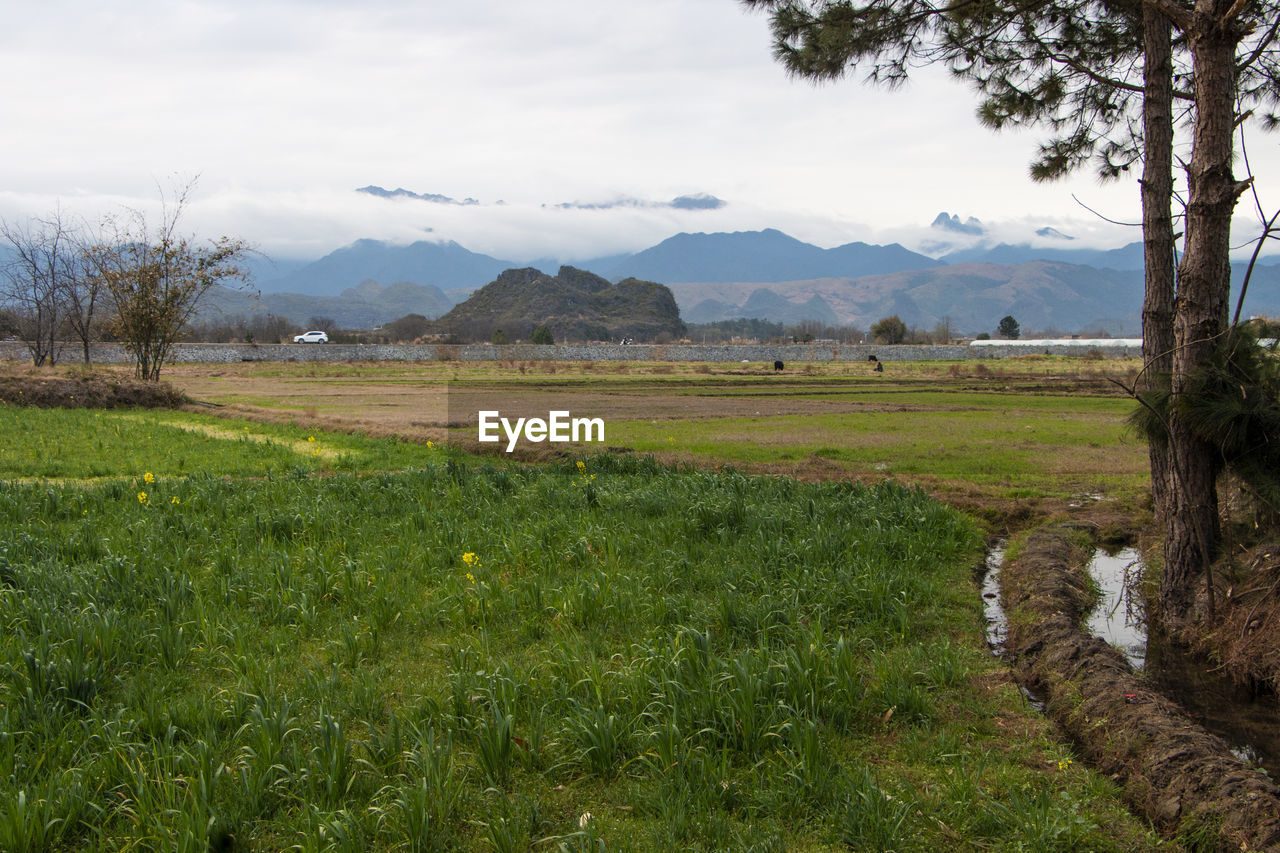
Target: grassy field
x,y
89,444
229,634
1039,428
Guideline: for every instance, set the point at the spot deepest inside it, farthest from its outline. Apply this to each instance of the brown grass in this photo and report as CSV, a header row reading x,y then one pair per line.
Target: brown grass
x,y
1246,637
82,389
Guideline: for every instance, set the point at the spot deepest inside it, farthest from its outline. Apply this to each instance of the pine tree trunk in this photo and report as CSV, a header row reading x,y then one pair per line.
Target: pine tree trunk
x,y
1204,284
1157,229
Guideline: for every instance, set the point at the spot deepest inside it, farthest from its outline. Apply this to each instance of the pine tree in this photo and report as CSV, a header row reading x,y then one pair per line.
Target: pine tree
x,y
1104,78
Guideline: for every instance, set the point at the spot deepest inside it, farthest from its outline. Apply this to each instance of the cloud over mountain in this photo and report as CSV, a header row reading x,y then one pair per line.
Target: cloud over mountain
x,y
401,192
697,201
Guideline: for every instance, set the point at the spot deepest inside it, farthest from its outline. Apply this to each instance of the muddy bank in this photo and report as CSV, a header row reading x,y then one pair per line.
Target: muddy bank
x,y
1183,778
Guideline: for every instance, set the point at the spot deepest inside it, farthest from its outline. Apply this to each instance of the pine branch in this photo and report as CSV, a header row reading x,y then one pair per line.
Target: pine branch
x,y
1181,17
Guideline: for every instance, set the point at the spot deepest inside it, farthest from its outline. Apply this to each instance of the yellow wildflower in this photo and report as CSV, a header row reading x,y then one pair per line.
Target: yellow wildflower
x,y
174,500
143,499
471,559
311,438
148,478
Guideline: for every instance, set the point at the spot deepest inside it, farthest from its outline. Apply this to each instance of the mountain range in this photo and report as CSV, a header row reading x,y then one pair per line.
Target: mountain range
x,y
760,256
972,297
442,265
365,306
765,274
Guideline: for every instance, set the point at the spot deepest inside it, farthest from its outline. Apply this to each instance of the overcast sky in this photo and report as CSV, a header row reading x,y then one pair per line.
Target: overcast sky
x,y
284,107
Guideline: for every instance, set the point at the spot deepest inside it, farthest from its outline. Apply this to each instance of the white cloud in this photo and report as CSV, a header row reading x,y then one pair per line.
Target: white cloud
x,y
285,106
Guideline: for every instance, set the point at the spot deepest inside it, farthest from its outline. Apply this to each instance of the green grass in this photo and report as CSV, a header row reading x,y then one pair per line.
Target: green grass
x,y
81,444
1039,446
612,655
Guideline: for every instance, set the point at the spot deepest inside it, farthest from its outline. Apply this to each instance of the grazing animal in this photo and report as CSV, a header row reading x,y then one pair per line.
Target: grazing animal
x,y
777,365
872,357
879,367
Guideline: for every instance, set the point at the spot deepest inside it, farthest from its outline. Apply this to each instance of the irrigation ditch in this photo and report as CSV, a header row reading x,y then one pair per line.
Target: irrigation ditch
x,y
1192,784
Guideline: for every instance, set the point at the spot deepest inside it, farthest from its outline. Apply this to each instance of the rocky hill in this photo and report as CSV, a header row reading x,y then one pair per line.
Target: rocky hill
x,y
574,304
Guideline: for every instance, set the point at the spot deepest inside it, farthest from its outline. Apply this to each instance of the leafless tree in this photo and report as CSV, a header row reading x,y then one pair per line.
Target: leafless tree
x,y
38,280
156,276
87,299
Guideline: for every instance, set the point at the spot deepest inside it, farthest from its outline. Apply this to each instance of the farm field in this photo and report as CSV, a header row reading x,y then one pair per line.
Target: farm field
x,y
222,633
1024,429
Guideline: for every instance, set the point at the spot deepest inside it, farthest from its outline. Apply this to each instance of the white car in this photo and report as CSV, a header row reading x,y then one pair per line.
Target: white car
x,y
315,337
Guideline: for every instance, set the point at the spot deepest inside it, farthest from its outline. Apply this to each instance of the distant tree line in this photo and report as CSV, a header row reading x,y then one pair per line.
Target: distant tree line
x,y
888,330
259,328
734,331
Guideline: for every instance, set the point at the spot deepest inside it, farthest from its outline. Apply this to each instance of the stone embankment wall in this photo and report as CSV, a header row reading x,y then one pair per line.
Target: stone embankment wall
x,y
228,353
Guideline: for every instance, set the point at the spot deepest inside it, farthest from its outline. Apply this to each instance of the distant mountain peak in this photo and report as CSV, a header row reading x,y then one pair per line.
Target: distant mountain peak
x,y
1053,233
767,255
401,192
697,201
445,265
947,222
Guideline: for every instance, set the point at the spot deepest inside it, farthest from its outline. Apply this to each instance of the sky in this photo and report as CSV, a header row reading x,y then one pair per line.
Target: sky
x,y
572,123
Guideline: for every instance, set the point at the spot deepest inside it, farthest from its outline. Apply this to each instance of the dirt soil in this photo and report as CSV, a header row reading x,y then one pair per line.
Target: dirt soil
x,y
89,391
1184,779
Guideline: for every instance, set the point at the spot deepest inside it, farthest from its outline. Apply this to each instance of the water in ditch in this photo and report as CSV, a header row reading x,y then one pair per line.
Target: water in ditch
x,y
1250,725
1119,617
997,622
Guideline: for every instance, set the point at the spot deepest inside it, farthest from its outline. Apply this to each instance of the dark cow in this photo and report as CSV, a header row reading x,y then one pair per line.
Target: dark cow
x,y
777,365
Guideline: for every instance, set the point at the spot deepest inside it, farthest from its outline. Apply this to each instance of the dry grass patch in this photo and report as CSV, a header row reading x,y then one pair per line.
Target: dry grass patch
x,y
83,389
